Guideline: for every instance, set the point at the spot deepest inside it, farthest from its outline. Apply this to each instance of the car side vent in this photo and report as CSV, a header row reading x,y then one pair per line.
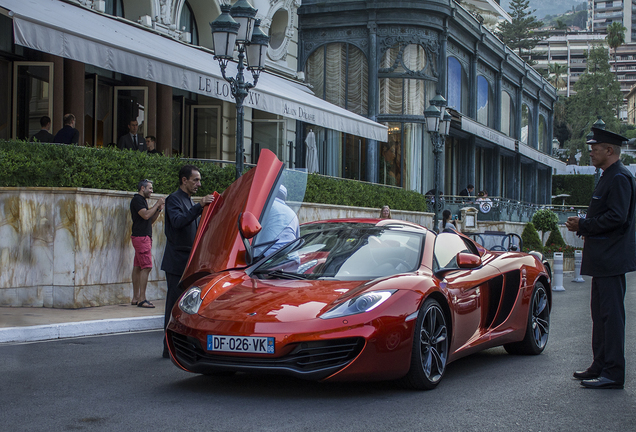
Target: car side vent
x,y
512,281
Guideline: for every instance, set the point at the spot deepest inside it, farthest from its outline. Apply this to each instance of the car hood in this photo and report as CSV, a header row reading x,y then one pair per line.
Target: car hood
x,y
218,244
270,301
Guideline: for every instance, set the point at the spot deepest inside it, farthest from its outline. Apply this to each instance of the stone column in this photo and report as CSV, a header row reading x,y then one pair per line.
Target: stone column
x,y
74,94
164,118
372,145
152,108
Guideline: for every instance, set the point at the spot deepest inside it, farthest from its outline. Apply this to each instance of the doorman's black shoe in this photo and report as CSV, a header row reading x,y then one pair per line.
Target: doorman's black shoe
x,y
585,375
601,383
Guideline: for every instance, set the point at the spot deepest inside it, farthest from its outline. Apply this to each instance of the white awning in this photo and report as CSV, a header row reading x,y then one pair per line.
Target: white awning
x,y
74,32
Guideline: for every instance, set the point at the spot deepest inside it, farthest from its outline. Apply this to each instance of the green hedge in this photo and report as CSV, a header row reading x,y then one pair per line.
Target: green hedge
x,y
24,164
579,186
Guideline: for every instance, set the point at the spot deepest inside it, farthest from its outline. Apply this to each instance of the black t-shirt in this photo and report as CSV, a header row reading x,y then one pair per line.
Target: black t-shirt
x,y
140,227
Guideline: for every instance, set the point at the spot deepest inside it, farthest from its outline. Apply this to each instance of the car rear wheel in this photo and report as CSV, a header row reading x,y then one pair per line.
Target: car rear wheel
x,y
538,327
430,348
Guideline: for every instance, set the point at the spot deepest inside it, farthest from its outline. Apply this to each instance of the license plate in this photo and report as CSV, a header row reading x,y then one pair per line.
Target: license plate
x,y
245,344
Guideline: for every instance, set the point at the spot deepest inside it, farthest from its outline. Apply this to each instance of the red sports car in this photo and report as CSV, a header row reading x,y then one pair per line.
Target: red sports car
x,y
354,299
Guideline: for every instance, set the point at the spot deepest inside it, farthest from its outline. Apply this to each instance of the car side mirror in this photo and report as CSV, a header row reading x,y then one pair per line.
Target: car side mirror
x,y
248,227
468,260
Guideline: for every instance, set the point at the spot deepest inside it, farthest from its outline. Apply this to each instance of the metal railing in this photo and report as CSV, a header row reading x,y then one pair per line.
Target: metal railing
x,y
504,209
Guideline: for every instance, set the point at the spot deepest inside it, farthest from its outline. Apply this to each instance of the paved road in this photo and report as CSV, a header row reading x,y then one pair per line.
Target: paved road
x,y
120,383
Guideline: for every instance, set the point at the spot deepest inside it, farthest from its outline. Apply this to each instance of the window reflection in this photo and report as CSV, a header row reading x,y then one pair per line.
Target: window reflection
x,y
507,114
526,121
483,105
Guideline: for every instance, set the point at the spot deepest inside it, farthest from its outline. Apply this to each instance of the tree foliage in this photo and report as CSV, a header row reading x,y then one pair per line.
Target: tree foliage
x,y
615,37
597,94
558,73
545,220
522,33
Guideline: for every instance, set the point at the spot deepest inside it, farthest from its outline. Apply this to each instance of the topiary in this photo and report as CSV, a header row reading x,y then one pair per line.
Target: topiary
x,y
555,239
530,238
545,220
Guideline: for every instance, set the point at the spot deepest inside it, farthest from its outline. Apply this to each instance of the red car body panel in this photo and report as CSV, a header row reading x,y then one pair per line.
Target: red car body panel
x,y
486,306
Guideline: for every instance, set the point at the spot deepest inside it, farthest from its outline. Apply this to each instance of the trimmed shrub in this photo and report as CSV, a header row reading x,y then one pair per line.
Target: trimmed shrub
x,y
27,164
555,239
530,238
579,186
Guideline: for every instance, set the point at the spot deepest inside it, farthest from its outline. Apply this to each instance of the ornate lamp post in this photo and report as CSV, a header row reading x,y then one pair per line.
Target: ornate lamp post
x,y
236,27
438,122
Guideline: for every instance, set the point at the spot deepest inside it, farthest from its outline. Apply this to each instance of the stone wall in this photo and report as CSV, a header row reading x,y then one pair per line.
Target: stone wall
x,y
70,247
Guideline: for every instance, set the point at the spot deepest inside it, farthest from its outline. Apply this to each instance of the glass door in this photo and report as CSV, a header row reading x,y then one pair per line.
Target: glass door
x,y
205,127
130,104
32,97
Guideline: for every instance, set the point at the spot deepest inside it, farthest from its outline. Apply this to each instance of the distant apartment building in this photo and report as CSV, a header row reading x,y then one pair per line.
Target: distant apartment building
x,y
569,49
602,13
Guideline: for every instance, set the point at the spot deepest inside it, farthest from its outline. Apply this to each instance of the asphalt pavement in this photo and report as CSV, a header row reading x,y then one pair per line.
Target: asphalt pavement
x,y
119,382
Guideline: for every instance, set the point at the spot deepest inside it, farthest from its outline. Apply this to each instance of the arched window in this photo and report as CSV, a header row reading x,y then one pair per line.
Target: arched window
x,y
457,83
403,95
483,100
115,8
339,73
188,23
526,124
507,114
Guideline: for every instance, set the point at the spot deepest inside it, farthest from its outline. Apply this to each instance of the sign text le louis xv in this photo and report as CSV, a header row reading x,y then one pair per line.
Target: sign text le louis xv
x,y
221,90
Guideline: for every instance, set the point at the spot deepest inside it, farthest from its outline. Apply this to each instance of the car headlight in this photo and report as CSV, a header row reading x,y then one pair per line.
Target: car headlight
x,y
362,303
191,301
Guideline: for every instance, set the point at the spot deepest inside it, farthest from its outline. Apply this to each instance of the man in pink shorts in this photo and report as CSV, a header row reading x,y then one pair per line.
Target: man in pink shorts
x,y
142,220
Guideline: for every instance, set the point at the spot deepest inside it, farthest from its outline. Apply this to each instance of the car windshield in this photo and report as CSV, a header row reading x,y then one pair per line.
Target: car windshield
x,y
345,252
280,215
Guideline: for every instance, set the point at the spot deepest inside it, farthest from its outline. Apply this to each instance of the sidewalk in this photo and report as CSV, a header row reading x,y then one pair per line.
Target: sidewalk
x,y
27,324
24,324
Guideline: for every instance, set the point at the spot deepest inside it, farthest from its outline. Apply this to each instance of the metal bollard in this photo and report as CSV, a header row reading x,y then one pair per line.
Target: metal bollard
x,y
557,276
578,257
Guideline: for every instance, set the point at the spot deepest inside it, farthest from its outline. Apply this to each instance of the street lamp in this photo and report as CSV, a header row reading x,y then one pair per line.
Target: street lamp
x,y
438,122
236,27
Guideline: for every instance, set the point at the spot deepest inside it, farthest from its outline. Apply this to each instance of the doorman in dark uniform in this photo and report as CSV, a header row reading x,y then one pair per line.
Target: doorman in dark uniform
x,y
609,252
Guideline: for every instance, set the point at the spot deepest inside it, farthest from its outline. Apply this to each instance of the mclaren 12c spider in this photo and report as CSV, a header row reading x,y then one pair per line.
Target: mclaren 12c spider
x,y
344,300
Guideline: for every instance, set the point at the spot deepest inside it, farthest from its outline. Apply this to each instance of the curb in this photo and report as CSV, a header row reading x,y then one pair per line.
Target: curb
x,y
79,328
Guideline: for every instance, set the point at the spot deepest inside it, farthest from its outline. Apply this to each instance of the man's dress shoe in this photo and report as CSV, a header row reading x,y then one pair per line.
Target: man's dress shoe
x,y
601,383
585,375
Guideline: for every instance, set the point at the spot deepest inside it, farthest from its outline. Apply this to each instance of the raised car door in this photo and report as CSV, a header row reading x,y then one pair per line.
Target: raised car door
x,y
218,244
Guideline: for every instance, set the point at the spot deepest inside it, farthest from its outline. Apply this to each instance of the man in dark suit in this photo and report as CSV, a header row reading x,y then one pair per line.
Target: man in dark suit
x,y
44,135
68,134
609,252
132,140
468,191
181,222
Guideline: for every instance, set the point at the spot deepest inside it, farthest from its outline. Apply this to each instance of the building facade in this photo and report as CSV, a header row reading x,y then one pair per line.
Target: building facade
x,y
386,61
108,62
357,76
569,50
602,13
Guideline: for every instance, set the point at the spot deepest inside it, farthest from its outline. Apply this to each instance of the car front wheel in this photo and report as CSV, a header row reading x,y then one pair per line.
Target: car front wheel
x,y
430,348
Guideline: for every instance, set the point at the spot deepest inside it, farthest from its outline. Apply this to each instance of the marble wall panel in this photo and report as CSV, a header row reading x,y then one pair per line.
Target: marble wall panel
x,y
70,248
26,238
